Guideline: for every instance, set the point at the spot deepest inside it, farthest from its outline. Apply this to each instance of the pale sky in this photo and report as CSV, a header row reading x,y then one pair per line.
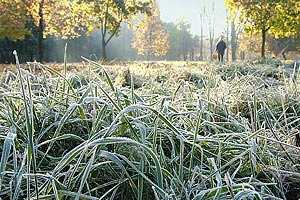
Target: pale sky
x,y
189,10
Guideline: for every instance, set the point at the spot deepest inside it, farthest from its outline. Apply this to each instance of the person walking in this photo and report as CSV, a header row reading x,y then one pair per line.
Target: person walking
x,y
220,49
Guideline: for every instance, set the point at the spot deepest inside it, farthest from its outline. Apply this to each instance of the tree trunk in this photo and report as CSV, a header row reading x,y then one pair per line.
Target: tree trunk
x,y
283,53
227,39
201,39
211,49
201,45
211,43
104,54
41,32
150,51
233,41
263,43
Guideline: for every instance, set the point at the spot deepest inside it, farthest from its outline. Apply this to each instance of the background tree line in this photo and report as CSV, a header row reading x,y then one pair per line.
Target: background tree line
x,y
132,29
37,20
108,29
182,44
274,21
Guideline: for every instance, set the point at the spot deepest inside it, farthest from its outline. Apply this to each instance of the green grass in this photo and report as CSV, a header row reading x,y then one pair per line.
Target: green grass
x,y
164,131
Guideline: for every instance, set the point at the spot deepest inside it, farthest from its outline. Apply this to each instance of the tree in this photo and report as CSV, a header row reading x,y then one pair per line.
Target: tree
x,y
250,43
108,15
150,38
184,38
278,17
50,17
202,15
40,29
236,30
182,44
63,18
233,41
227,36
211,29
174,46
194,44
287,19
258,15
13,20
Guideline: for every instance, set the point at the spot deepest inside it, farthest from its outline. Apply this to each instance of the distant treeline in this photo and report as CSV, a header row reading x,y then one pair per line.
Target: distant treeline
x,y
183,46
87,46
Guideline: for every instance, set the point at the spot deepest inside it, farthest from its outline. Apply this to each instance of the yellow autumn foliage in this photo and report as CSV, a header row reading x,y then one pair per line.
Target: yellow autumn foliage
x,y
150,38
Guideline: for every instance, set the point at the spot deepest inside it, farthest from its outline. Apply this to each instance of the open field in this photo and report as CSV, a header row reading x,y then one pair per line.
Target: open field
x,y
181,130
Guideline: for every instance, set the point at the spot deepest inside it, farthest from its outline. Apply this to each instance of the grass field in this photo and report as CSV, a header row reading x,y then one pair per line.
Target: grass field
x,y
164,130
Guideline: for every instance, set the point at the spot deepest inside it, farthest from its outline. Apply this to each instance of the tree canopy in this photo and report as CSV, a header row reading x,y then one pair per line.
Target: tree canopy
x,y
151,39
13,20
60,18
108,15
67,18
277,17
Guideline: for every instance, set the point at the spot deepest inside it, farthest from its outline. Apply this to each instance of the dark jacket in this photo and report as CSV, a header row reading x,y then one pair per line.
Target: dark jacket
x,y
221,47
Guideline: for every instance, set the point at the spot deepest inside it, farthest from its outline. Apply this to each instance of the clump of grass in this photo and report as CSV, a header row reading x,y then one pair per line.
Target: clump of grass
x,y
125,77
81,136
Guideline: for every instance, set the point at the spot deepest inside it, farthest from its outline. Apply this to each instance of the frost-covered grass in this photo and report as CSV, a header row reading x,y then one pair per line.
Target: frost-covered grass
x,y
159,131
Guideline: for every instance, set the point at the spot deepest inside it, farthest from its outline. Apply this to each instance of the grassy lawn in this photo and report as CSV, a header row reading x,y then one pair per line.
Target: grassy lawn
x,y
164,130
